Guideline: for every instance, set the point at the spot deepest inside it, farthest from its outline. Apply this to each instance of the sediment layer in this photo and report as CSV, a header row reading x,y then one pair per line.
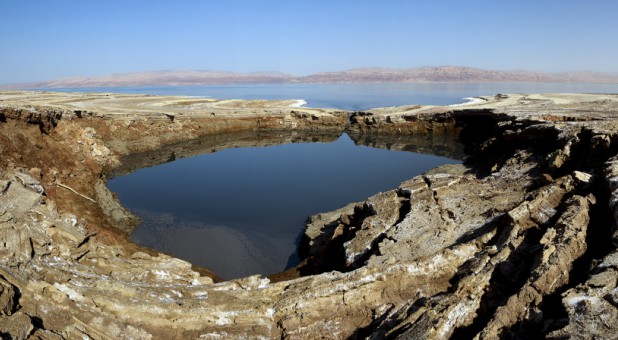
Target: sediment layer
x,y
520,240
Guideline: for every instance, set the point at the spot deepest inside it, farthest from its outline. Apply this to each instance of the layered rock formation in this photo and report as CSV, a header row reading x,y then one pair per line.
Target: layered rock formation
x,y
520,240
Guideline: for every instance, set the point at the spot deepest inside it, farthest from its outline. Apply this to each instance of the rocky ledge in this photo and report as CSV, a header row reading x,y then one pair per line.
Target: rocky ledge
x,y
519,240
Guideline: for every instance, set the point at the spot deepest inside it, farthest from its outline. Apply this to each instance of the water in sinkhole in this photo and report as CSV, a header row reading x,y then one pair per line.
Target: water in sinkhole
x,y
241,210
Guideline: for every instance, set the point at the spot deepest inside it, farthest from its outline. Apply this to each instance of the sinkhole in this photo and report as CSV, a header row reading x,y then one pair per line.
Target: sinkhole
x,y
236,203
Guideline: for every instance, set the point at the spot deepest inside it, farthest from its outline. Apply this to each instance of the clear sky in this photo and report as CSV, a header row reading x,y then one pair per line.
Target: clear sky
x,y
47,39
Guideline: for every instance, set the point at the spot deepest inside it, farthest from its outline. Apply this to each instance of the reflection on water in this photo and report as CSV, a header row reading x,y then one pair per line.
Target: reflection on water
x,y
240,211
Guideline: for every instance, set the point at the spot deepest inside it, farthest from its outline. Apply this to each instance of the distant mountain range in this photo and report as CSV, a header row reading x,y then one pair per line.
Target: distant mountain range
x,y
458,74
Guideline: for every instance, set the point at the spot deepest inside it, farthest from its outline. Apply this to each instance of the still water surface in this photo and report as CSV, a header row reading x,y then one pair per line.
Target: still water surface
x,y
241,211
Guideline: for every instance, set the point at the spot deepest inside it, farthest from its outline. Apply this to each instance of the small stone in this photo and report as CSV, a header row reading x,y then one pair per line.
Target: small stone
x,y
610,261
7,298
18,325
492,250
582,177
603,279
338,231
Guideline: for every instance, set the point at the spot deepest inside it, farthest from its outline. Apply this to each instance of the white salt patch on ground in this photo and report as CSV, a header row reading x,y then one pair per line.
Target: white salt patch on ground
x,y
299,103
224,318
71,293
470,101
573,301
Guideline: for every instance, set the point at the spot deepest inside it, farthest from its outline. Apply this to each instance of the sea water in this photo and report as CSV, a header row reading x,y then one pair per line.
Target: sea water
x,y
357,97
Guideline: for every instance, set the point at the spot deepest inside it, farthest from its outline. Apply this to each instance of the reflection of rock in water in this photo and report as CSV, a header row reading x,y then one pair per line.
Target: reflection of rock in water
x,y
218,142
443,145
225,251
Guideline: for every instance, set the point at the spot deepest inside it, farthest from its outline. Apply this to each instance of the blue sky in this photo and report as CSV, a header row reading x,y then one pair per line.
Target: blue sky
x,y
43,40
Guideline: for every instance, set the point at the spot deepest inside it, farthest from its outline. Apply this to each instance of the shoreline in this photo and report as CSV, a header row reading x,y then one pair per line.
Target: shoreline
x,y
470,101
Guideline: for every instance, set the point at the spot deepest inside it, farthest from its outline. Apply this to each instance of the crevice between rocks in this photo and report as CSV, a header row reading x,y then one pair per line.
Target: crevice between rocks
x,y
331,256
336,233
405,206
478,132
507,279
490,140
598,240
551,314
588,154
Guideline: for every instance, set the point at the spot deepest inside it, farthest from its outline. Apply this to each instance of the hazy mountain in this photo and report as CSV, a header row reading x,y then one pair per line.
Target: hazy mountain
x,y
456,74
359,75
165,78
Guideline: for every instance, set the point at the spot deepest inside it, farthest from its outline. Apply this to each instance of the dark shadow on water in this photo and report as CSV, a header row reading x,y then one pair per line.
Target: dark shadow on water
x,y
294,258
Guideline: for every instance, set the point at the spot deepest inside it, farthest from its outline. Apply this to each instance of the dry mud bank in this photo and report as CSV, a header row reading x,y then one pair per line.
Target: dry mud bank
x,y
519,241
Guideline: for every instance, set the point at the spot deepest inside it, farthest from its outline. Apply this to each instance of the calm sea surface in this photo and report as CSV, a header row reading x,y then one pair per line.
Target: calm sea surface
x,y
241,211
360,96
